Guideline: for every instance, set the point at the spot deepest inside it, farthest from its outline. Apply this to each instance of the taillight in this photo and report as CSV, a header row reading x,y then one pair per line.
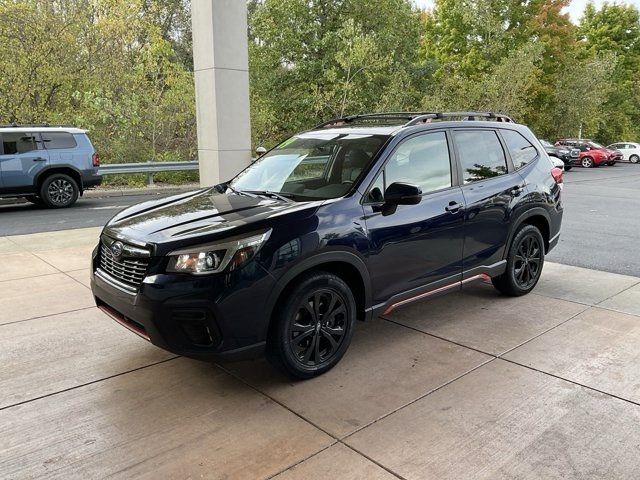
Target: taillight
x,y
556,173
95,159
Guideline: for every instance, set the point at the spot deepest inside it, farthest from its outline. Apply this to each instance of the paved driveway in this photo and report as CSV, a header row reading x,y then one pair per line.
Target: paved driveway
x,y
469,385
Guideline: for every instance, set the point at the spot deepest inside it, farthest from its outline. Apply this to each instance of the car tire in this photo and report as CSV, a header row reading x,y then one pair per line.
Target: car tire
x,y
567,168
634,158
312,326
59,191
525,261
587,162
611,164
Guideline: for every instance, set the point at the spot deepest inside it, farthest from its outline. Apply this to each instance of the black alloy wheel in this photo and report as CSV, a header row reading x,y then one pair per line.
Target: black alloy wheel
x,y
318,327
59,191
528,260
313,325
525,260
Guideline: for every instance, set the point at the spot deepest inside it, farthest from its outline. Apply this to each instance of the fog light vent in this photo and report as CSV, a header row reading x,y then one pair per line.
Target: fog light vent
x,y
194,326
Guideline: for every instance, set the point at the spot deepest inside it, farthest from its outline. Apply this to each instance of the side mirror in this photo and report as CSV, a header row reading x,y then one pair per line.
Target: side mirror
x,y
399,193
260,151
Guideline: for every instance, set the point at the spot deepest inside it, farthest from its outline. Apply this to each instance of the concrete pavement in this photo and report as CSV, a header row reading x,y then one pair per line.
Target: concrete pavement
x,y
469,385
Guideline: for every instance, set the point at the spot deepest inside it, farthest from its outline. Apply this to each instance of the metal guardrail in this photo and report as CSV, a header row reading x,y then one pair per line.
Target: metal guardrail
x,y
147,167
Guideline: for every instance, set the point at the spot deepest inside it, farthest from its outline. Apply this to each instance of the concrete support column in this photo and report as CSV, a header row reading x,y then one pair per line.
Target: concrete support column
x,y
221,71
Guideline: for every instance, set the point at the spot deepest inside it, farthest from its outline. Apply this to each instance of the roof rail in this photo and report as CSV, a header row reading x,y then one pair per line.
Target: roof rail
x,y
414,118
33,125
498,117
406,116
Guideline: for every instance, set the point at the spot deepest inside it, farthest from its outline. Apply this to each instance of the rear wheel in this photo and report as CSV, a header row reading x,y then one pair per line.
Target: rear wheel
x,y
634,159
59,191
587,162
313,326
567,168
524,263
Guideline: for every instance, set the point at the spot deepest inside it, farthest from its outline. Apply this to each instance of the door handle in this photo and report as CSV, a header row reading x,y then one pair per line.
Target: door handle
x,y
453,207
39,159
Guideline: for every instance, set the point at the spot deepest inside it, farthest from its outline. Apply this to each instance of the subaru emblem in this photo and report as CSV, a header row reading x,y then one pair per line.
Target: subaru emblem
x,y
116,249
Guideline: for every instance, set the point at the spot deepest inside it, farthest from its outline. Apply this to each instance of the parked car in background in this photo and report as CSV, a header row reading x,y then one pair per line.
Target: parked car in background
x,y
592,154
49,166
569,156
352,219
630,151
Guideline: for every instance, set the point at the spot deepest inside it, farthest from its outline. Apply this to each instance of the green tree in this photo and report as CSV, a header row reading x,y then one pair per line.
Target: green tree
x,y
613,32
115,68
310,60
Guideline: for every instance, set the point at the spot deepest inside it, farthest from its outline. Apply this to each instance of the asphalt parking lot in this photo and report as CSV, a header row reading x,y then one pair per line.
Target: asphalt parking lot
x,y
471,385
601,224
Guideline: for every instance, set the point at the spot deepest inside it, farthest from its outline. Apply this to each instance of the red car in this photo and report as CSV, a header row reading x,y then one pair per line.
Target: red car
x,y
592,154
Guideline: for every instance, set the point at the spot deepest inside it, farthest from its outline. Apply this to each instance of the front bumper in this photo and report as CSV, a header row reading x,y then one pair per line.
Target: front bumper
x,y
213,317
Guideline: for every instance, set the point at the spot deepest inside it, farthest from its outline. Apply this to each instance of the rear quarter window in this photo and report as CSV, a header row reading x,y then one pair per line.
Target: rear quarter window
x,y
521,150
58,140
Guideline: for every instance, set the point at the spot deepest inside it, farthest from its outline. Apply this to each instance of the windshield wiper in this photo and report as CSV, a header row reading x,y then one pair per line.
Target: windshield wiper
x,y
240,192
285,197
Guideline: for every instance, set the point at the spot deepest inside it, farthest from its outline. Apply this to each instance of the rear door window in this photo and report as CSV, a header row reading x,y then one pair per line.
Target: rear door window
x,y
481,155
521,150
15,143
58,140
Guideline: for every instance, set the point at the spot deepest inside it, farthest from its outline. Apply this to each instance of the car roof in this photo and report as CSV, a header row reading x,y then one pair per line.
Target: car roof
x,y
42,129
392,130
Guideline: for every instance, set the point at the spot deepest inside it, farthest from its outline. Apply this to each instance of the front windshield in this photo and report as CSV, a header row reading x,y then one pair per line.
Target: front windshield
x,y
595,145
546,143
311,166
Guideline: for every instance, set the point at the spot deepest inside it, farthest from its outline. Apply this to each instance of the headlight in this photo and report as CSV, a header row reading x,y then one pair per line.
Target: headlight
x,y
215,257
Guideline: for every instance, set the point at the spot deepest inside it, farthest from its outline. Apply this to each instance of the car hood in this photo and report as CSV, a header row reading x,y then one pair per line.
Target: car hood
x,y
199,214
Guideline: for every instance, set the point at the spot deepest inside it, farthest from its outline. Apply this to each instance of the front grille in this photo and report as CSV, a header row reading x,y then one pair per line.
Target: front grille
x,y
128,271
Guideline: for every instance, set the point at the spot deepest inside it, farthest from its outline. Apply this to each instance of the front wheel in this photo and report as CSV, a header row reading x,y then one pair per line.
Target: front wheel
x,y
59,191
634,159
524,263
611,164
587,162
567,168
313,326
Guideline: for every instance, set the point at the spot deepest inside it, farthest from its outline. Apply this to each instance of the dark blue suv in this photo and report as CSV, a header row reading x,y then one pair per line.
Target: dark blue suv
x,y
354,218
